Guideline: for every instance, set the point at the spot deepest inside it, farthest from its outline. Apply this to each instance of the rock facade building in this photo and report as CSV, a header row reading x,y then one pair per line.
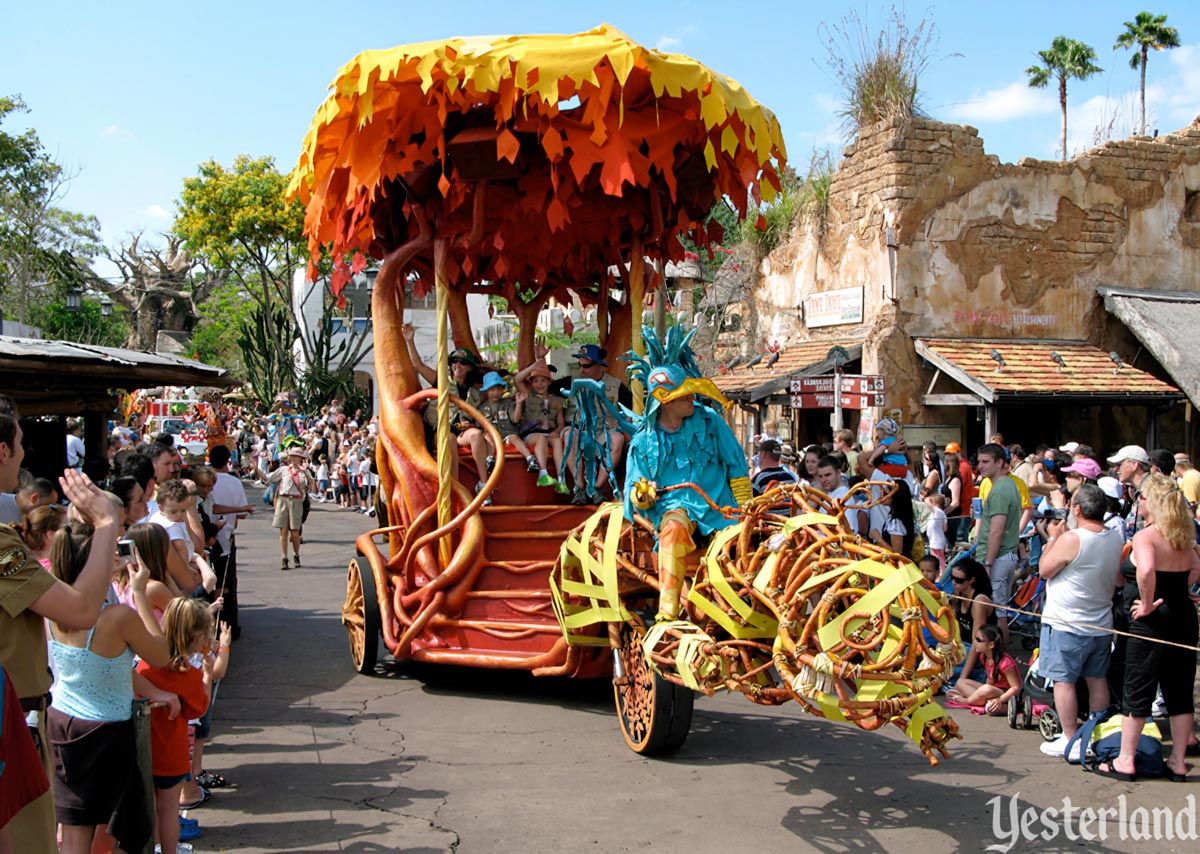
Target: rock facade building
x,y
948,244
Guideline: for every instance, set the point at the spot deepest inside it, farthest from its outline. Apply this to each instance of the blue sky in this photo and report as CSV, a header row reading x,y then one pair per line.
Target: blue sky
x,y
135,95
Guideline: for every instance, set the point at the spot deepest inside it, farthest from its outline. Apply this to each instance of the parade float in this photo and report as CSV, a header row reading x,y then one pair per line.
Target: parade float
x,y
531,168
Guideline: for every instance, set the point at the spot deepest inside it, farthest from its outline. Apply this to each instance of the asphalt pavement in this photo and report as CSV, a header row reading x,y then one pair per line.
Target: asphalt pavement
x,y
440,759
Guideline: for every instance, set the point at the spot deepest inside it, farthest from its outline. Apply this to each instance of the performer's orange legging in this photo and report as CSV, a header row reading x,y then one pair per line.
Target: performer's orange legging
x,y
674,543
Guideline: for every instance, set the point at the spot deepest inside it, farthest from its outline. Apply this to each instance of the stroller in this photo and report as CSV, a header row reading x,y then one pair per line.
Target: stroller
x,y
1029,598
1033,705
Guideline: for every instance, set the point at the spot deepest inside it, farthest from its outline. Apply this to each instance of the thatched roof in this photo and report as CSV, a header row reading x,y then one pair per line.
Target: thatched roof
x,y
1166,324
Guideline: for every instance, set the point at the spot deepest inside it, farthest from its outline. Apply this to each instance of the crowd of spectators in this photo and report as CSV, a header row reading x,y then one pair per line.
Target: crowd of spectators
x,y
129,591
1114,538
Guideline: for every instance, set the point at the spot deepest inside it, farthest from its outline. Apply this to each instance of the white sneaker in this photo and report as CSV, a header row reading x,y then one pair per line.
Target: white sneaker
x,y
1056,748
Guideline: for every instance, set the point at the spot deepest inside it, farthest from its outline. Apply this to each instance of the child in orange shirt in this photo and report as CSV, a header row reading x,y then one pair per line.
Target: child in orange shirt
x,y
188,625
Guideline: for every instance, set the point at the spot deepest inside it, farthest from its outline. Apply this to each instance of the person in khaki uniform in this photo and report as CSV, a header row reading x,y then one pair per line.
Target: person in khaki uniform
x,y
27,594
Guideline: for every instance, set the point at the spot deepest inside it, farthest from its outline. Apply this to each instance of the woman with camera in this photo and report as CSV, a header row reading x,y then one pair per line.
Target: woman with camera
x,y
90,720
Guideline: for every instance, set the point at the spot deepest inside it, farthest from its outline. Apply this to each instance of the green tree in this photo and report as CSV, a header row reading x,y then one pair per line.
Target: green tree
x,y
216,340
237,222
1066,59
40,242
87,325
1144,32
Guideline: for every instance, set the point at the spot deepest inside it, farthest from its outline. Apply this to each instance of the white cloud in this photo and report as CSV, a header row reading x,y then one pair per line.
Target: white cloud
x,y
1014,101
157,212
674,41
1182,105
109,131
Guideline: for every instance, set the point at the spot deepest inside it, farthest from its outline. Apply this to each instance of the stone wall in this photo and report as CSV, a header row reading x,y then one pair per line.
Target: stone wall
x,y
986,249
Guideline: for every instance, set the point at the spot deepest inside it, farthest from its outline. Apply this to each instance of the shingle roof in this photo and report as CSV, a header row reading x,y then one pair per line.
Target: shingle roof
x,y
793,359
1029,369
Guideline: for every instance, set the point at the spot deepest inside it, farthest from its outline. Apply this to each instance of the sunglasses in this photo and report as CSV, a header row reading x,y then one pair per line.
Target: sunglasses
x,y
459,362
981,640
958,579
587,364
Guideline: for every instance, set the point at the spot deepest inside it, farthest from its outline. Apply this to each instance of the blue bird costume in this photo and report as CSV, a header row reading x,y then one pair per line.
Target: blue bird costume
x,y
703,451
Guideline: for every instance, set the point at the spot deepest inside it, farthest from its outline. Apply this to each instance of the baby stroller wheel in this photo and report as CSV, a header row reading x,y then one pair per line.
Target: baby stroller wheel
x,y
1048,725
1013,711
1026,710
1029,643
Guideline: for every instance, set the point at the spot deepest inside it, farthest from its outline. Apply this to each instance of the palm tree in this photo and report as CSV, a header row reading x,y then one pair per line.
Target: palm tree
x,y
1065,59
1142,33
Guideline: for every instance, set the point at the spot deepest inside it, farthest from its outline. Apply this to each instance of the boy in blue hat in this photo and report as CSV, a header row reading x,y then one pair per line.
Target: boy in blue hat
x,y
504,414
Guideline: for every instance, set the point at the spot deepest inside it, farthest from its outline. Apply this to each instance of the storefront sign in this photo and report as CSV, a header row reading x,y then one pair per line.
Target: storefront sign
x,y
824,400
851,384
834,308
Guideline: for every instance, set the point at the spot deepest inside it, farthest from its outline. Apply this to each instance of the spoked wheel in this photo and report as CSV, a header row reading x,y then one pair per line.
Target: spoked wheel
x,y
655,714
360,615
1026,711
1048,725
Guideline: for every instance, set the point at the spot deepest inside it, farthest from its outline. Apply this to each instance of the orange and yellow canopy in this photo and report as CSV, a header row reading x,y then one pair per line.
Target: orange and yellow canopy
x,y
541,158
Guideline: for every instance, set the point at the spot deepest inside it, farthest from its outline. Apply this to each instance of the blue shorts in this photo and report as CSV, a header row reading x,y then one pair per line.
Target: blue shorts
x,y
173,780
1064,656
203,726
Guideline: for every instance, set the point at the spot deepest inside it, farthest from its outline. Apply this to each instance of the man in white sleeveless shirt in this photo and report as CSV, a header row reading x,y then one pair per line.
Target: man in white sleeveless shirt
x,y
1082,569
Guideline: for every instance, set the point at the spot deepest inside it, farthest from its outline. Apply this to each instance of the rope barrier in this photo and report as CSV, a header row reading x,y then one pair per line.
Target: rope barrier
x,y
1060,621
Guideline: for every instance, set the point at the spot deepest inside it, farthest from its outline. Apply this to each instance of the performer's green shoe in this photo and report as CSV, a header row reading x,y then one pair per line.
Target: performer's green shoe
x,y
546,480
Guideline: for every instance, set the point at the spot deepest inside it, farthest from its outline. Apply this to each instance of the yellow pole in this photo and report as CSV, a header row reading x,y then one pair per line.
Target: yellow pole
x,y
442,291
637,291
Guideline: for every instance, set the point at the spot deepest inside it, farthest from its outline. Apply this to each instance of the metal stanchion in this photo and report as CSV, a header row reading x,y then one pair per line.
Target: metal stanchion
x,y
145,767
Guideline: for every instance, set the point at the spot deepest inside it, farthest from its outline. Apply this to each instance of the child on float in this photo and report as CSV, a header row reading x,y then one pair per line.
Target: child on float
x,y
504,414
187,626
540,415
1003,677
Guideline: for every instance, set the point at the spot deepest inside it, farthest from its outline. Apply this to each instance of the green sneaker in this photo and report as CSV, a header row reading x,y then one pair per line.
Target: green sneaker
x,y
561,488
546,480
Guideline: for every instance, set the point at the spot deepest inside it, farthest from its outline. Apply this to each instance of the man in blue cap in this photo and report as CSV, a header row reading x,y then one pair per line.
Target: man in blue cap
x,y
592,365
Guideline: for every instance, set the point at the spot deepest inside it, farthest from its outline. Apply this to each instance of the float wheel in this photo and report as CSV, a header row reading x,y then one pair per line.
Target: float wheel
x,y
655,714
360,616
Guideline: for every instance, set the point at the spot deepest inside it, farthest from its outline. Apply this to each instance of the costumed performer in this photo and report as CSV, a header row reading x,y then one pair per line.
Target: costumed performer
x,y
680,440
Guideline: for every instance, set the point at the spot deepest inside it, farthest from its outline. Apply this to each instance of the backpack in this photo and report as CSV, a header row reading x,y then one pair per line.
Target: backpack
x,y
1102,732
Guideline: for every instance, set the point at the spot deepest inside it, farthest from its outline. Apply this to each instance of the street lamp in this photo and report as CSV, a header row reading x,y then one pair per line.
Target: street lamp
x,y
74,299
106,306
